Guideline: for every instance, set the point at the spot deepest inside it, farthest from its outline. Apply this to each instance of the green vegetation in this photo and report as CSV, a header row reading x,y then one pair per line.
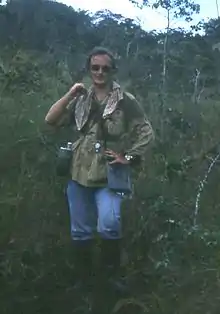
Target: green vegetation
x,y
171,251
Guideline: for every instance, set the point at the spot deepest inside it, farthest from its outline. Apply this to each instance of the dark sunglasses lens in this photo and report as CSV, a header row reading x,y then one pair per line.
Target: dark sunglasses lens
x,y
96,68
106,69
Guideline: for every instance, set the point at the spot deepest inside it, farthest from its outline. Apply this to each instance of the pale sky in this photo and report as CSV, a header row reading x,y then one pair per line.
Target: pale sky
x,y
149,19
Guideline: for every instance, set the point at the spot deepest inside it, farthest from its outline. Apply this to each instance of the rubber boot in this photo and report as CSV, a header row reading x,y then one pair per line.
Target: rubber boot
x,y
83,264
110,270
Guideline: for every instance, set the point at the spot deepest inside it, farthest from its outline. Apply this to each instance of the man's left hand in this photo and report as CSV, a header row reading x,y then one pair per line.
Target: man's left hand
x,y
117,158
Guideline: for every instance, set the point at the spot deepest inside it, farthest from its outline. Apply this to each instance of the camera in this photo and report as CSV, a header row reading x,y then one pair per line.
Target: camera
x,y
97,147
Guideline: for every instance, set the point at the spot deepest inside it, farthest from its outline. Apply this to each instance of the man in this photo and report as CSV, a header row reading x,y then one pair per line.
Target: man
x,y
106,116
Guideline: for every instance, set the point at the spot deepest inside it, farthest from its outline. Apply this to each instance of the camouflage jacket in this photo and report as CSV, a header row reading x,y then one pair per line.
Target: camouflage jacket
x,y
120,125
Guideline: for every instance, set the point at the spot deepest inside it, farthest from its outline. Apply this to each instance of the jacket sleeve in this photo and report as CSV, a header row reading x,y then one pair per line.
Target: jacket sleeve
x,y
68,115
140,131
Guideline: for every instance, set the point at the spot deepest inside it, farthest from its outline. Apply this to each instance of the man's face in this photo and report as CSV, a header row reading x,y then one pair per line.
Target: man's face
x,y
101,69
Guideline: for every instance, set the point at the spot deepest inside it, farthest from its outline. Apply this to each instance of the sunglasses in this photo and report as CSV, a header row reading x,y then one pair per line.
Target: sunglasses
x,y
104,68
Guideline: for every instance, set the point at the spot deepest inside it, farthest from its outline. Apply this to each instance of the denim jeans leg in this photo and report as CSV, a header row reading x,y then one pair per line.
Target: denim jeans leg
x,y
82,210
109,213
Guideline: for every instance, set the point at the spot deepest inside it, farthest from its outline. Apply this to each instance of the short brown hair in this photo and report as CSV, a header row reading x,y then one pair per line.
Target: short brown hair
x,y
101,51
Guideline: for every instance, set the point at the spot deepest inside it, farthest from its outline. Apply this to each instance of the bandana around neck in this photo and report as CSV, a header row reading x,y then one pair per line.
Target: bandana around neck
x,y
83,105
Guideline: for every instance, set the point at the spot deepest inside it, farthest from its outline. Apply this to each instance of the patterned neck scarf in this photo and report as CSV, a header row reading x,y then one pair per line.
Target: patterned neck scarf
x,y
83,105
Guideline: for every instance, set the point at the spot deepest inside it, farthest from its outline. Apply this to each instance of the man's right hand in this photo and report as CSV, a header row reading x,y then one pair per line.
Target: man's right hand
x,y
57,109
77,88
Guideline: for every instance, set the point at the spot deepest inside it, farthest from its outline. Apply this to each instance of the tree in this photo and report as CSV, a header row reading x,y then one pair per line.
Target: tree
x,y
173,9
42,48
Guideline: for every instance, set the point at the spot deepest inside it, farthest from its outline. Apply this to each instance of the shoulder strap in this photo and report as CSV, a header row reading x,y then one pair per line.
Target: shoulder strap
x,y
100,133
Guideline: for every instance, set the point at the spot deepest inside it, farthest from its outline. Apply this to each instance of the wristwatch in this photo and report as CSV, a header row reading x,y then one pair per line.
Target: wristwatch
x,y
129,157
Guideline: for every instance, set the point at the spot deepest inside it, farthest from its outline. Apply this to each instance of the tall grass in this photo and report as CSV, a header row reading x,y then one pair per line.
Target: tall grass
x,y
171,266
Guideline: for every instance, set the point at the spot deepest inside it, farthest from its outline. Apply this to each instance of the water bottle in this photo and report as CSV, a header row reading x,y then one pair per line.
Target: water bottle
x,y
64,159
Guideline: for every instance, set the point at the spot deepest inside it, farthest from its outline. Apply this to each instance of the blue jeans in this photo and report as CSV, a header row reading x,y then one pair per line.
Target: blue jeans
x,y
93,209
